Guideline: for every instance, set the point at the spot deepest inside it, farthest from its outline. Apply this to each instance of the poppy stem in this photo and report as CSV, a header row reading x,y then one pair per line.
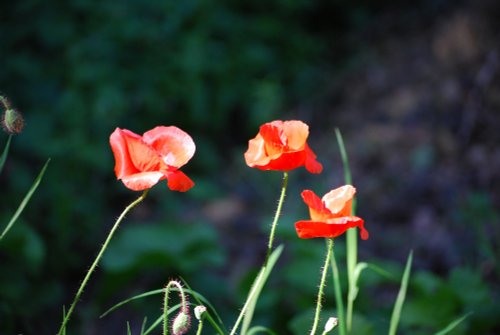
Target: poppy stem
x,y
322,285
62,329
276,217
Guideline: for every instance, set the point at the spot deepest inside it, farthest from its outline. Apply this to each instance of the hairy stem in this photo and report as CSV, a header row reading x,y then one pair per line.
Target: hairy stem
x,y
322,285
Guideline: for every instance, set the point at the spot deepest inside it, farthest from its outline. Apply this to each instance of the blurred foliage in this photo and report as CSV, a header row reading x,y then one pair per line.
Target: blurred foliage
x,y
217,69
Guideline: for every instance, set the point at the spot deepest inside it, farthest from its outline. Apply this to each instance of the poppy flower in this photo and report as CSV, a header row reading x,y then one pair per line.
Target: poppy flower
x,y
282,146
142,161
331,216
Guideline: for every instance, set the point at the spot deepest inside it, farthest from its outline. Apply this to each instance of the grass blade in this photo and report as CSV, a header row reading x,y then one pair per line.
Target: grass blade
x,y
143,326
453,324
351,238
25,200
398,305
3,158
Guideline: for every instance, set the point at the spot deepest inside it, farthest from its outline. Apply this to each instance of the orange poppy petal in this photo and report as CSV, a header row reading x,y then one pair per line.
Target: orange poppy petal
x,y
174,145
296,133
118,143
330,229
142,156
143,180
178,181
339,200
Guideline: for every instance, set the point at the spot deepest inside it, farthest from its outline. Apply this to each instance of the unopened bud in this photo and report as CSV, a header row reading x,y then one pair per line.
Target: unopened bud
x,y
199,312
181,323
330,324
12,121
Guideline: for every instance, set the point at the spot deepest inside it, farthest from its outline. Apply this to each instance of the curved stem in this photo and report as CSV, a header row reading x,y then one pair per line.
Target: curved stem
x,y
256,284
322,285
97,259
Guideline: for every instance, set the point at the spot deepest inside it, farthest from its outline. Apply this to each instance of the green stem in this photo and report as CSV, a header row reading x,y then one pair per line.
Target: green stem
x,y
165,302
338,296
200,327
268,254
97,259
276,217
322,285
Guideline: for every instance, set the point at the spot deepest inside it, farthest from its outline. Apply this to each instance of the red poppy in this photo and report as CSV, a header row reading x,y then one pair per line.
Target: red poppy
x,y
142,161
331,216
282,146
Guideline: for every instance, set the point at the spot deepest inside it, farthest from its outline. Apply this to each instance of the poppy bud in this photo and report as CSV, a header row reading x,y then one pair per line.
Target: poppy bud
x,y
330,324
199,312
181,323
12,121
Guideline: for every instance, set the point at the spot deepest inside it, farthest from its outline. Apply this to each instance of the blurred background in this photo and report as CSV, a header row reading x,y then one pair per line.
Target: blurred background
x,y
414,89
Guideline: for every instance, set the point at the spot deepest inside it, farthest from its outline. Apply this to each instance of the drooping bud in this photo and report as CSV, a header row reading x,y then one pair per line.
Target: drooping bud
x,y
181,323
12,121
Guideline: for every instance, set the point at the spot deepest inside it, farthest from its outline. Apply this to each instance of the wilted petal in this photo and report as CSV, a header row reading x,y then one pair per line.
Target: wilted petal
x,y
296,133
174,145
339,200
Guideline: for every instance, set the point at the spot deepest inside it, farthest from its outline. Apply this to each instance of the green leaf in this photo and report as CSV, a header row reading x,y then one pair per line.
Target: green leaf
x,y
260,329
25,200
453,324
3,158
264,272
398,305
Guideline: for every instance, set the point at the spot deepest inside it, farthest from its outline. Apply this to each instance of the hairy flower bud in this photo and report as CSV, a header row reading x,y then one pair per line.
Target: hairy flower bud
x,y
12,120
181,323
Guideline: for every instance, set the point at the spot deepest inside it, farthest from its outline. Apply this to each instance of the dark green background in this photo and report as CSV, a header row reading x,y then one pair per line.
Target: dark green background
x,y
414,89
